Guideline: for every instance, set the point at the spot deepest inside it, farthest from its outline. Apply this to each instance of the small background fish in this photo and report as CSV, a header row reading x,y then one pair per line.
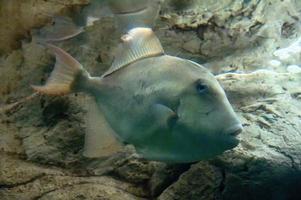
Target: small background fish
x,y
128,14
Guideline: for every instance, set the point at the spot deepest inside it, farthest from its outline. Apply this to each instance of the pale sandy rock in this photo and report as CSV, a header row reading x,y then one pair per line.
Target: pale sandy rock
x,y
9,140
16,172
89,191
293,69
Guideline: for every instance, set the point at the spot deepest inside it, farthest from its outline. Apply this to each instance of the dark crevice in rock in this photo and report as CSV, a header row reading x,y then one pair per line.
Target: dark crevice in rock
x,y
9,186
55,111
279,150
222,183
290,158
44,193
167,176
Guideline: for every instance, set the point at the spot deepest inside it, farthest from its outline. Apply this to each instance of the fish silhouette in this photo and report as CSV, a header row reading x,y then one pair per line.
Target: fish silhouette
x,y
170,109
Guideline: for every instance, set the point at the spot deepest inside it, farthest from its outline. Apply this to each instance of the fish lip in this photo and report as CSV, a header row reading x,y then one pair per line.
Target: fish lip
x,y
234,130
235,133
233,143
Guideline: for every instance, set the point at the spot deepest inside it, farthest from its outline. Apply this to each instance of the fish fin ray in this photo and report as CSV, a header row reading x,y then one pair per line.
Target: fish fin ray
x,y
138,43
67,76
164,115
100,138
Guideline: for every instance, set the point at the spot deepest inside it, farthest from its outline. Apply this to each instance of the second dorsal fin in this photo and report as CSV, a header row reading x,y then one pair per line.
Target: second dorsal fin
x,y
138,43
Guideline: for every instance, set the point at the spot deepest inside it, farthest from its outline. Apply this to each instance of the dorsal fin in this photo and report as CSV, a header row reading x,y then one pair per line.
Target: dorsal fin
x,y
138,43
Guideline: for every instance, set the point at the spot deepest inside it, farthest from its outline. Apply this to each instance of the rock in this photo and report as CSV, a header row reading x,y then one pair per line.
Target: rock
x,y
23,180
135,171
192,46
200,182
89,191
283,56
164,175
27,15
9,140
290,54
16,172
232,33
274,63
293,69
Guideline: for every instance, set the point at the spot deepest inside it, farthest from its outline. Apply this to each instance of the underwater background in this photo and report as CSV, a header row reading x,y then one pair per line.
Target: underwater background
x,y
254,48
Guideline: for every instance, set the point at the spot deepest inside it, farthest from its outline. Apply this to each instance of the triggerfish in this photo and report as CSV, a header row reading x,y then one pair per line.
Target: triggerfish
x,y
170,109
128,14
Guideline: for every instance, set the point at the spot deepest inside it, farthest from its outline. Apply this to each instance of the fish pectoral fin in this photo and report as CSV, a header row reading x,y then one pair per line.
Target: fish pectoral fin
x,y
165,116
100,139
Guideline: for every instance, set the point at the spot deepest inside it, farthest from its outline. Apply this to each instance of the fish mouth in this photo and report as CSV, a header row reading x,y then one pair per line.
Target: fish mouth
x,y
234,130
231,143
231,135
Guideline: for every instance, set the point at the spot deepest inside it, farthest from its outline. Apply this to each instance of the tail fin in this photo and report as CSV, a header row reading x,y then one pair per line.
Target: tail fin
x,y
67,76
61,28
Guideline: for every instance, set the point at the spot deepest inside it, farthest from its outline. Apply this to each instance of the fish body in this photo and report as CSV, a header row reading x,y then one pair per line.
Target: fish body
x,y
128,14
142,109
135,13
170,109
61,28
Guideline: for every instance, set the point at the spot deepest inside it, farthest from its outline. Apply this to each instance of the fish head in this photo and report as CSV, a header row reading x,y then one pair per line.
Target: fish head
x,y
206,124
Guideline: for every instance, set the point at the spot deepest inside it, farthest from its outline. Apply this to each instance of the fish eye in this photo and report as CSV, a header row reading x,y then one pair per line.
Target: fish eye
x,y
201,87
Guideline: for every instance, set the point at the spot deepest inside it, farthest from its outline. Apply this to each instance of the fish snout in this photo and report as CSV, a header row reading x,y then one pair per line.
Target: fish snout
x,y
234,130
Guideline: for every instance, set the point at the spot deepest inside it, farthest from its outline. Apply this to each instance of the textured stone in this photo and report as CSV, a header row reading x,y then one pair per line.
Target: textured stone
x,y
231,33
24,180
25,15
293,69
200,182
164,175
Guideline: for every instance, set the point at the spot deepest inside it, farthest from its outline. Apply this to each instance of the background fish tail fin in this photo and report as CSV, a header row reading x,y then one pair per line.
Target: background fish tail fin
x,y
59,29
67,76
100,140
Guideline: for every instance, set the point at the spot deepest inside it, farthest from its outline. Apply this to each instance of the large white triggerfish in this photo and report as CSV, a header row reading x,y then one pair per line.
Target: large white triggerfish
x,y
170,109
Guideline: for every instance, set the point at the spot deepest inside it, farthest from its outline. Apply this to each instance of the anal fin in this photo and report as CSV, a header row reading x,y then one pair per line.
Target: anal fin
x,y
100,140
